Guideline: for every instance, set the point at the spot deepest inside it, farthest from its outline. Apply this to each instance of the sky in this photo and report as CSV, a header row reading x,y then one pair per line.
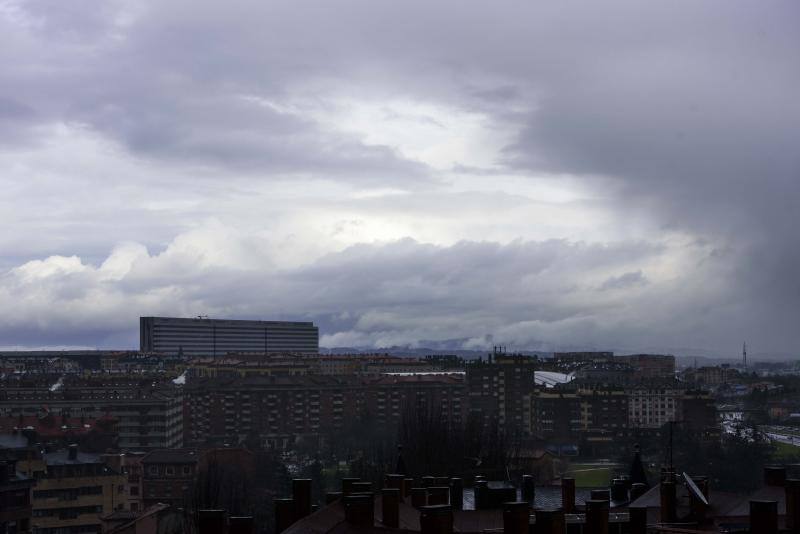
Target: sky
x,y
618,175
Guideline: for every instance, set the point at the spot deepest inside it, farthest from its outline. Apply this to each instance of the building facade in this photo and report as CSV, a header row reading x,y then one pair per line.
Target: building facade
x,y
73,492
217,337
501,390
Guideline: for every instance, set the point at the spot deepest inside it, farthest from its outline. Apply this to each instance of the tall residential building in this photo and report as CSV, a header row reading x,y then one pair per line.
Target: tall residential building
x,y
500,390
217,337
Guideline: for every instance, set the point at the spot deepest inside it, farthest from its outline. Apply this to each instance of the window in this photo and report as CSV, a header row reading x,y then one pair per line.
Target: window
x,y
170,470
187,470
152,470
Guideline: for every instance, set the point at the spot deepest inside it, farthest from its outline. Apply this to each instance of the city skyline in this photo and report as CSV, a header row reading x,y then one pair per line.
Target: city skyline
x,y
618,177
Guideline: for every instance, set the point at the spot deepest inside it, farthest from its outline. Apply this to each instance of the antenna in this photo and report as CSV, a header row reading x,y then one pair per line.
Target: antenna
x,y
744,354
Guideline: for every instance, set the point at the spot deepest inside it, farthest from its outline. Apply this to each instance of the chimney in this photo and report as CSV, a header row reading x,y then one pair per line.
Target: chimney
x,y
301,495
394,481
457,493
596,517
241,525
774,475
516,517
361,487
211,522
390,507
481,494
284,514
437,519
359,510
419,497
568,495
438,495
763,517
441,481
346,485
637,520
72,452
637,490
528,488
793,504
408,483
550,521
428,481
619,490
668,504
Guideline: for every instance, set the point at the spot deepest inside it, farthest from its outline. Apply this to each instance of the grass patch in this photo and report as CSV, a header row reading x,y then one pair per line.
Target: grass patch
x,y
590,476
785,451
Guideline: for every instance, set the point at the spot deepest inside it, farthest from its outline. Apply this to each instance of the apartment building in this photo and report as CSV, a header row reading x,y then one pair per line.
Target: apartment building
x,y
147,411
73,492
653,404
168,476
501,389
279,409
15,497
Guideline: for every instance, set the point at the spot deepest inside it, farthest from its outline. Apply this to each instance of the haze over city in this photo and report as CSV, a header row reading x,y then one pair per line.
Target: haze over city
x,y
619,176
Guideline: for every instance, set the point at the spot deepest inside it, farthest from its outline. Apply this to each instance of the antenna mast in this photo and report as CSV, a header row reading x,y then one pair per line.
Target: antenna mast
x,y
744,354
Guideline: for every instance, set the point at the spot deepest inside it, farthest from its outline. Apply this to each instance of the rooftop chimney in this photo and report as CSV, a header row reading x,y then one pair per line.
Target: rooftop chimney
x,y
241,525
72,452
793,504
550,521
516,517
528,488
774,475
301,494
457,493
361,487
596,517
637,490
763,517
284,514
637,520
359,510
438,495
568,495
668,501
346,485
481,494
436,519
390,507
211,522
419,497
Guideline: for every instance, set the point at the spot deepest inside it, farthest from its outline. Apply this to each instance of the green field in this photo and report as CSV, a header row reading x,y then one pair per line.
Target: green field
x,y
785,451
590,475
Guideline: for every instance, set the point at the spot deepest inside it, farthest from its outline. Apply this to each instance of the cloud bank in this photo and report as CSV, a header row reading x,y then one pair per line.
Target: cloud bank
x,y
621,175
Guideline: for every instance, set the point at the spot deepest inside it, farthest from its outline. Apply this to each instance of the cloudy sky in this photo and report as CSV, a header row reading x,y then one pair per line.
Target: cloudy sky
x,y
620,175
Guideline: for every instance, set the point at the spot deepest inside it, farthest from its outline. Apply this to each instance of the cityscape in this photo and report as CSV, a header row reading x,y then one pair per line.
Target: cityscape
x,y
411,267
246,426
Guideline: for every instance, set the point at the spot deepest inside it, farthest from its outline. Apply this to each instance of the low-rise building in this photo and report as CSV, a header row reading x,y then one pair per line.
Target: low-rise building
x,y
73,492
167,476
15,498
